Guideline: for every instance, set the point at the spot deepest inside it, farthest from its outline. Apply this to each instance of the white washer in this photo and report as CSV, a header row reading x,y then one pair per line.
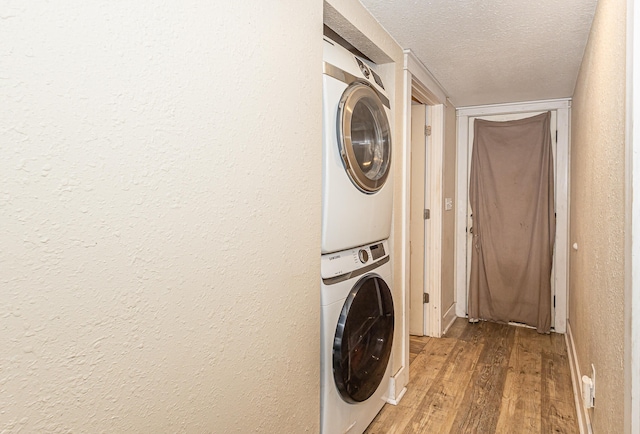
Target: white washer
x,y
357,337
356,185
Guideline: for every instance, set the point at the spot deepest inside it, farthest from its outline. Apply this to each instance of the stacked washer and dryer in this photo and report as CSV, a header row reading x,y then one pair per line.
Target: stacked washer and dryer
x,y
357,304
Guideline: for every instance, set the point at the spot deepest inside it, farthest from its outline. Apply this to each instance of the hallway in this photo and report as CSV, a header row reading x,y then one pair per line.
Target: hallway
x,y
484,378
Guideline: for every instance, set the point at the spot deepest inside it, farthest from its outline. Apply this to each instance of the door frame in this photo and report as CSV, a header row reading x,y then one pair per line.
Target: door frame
x,y
419,318
433,199
502,118
419,83
424,89
562,108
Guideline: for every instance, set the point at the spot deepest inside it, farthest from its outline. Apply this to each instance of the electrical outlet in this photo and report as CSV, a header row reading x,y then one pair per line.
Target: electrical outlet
x,y
587,392
593,381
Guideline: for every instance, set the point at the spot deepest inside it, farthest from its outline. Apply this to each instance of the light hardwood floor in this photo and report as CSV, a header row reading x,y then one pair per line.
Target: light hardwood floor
x,y
484,378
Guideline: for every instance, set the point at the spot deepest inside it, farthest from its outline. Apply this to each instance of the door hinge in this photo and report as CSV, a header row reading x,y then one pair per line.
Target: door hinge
x,y
554,301
556,136
427,130
425,297
427,214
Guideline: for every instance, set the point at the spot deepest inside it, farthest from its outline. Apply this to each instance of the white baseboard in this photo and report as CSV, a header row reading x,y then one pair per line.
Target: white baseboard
x,y
448,318
397,387
584,421
396,400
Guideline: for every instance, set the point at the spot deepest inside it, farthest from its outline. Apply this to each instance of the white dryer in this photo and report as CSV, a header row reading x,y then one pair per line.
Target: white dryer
x,y
356,182
357,337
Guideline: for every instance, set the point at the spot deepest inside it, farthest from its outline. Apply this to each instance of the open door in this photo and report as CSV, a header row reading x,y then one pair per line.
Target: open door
x,y
420,142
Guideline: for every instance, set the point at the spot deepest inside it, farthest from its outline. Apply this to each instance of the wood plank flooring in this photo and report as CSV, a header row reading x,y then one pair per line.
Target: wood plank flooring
x,y
484,378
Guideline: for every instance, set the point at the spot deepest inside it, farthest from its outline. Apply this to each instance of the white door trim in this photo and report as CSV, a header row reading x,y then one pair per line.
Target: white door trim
x,y
416,79
562,107
399,380
434,252
420,144
420,75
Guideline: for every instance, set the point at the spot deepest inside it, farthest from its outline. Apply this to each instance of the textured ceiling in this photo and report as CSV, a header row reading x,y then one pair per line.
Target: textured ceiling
x,y
493,51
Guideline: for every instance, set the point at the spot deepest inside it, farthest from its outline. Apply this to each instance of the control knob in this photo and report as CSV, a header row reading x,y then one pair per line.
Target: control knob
x,y
363,255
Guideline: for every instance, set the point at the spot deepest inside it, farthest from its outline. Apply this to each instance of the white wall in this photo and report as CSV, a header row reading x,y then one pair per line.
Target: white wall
x,y
160,216
632,224
596,303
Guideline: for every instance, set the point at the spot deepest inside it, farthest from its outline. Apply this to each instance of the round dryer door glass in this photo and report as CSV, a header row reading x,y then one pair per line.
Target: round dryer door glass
x,y
364,137
364,335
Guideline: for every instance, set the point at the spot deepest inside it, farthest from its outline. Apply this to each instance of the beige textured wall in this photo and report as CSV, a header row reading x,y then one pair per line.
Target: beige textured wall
x,y
448,218
356,24
597,213
160,205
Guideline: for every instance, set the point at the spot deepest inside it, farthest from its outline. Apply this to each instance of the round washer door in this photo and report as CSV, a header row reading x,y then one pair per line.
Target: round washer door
x,y
364,137
363,339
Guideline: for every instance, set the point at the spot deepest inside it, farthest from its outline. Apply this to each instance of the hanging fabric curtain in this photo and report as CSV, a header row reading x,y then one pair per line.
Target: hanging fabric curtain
x,y
512,201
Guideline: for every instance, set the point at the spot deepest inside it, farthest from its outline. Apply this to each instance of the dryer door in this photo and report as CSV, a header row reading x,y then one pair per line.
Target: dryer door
x,y
363,339
364,137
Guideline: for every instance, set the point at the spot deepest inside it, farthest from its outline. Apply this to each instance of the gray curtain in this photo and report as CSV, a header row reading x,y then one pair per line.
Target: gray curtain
x,y
512,201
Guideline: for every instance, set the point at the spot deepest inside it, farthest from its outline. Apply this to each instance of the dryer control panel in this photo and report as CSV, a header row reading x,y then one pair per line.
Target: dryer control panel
x,y
347,261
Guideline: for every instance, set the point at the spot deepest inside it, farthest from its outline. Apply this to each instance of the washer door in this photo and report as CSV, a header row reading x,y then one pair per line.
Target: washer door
x,y
364,335
364,137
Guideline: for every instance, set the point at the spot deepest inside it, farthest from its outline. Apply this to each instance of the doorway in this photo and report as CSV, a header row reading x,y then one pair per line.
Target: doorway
x,y
419,225
504,118
422,88
560,138
425,228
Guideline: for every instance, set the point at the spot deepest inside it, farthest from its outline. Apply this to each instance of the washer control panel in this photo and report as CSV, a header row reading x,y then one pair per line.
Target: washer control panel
x,y
339,263
377,251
